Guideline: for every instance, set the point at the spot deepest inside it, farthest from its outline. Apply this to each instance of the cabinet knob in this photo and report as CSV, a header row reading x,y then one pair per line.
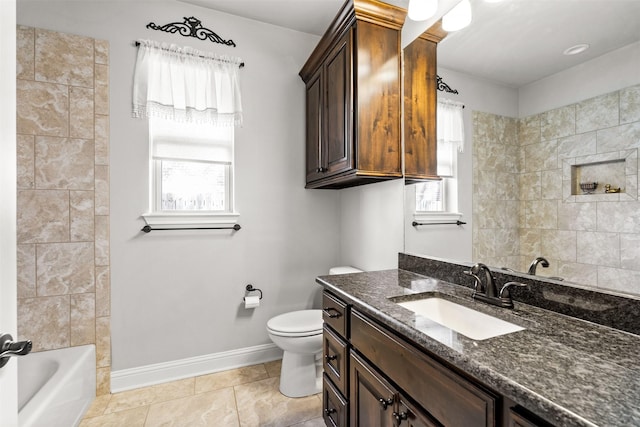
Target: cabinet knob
x,y
385,403
331,357
329,411
328,310
400,417
321,169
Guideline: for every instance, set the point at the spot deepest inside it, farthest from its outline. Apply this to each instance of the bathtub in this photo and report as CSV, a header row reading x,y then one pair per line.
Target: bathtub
x,y
55,388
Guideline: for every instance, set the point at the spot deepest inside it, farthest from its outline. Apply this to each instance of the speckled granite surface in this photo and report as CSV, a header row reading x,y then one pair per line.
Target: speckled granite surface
x,y
568,371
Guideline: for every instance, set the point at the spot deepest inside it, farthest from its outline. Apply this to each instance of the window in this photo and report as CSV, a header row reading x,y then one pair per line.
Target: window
x,y
438,200
192,167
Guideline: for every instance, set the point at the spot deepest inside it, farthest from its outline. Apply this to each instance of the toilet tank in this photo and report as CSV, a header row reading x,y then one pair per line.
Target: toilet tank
x,y
345,269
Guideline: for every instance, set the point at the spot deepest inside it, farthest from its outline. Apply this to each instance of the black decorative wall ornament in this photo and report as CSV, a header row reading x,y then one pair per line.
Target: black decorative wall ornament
x,y
191,27
442,86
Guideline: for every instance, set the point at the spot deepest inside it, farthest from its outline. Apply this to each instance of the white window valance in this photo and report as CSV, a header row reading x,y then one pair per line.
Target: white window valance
x,y
450,137
186,85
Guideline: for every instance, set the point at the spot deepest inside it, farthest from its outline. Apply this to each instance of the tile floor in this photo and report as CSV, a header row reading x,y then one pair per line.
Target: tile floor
x,y
246,397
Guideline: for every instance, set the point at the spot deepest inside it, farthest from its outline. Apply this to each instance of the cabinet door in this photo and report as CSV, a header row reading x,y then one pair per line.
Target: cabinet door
x,y
371,397
335,407
409,415
314,127
338,103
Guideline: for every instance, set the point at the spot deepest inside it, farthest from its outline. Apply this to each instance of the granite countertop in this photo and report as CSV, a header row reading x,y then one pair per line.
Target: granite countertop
x,y
568,371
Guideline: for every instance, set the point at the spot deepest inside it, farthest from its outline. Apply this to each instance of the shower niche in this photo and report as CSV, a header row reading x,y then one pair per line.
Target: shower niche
x,y
607,177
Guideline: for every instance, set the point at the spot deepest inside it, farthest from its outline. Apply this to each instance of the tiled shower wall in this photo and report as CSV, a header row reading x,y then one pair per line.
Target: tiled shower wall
x,y
63,193
591,239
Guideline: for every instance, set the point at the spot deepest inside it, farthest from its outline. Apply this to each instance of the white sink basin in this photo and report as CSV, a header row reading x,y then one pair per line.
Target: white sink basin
x,y
473,324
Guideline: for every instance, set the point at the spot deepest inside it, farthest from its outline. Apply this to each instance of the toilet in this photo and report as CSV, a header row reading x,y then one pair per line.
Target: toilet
x,y
299,335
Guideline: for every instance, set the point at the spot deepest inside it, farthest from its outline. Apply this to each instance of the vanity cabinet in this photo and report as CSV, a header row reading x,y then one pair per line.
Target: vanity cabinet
x,y
353,97
375,377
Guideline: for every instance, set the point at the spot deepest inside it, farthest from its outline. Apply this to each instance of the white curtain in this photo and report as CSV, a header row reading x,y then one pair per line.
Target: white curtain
x,y
186,85
450,138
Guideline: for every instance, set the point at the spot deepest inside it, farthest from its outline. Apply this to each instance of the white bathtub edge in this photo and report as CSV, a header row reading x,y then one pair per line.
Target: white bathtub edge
x,y
128,379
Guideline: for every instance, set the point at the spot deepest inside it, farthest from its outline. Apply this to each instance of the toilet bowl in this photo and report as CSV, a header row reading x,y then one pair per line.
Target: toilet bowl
x,y
299,334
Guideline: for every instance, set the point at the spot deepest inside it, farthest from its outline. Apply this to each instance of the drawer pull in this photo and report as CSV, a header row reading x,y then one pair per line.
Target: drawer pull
x,y
400,417
329,411
328,310
331,357
385,402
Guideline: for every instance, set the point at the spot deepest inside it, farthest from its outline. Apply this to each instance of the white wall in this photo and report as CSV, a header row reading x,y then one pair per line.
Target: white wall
x,y
371,225
607,73
451,241
178,294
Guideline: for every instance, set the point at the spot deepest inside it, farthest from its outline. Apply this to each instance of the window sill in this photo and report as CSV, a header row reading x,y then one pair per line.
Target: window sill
x,y
436,217
191,219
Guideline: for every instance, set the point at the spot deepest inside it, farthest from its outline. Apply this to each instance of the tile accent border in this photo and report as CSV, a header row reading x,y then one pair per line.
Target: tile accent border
x,y
128,379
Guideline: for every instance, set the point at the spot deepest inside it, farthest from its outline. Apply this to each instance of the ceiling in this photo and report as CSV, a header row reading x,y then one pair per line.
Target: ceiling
x,y
513,42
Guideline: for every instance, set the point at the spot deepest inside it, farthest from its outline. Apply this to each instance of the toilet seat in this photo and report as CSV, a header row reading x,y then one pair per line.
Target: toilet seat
x,y
301,323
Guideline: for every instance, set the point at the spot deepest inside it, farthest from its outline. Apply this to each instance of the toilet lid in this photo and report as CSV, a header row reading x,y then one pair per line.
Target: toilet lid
x,y
308,321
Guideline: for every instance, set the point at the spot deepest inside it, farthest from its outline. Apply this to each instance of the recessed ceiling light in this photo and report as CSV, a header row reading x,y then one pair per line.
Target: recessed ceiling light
x,y
574,50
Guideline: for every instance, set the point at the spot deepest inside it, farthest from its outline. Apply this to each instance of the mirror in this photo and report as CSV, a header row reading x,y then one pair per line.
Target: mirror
x,y
537,124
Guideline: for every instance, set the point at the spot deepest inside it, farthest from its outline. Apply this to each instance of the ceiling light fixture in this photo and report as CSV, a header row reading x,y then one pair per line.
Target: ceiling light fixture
x,y
458,17
421,10
574,50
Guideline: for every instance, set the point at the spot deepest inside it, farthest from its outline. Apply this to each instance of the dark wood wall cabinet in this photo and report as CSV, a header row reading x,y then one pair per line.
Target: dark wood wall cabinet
x,y
353,90
420,104
375,377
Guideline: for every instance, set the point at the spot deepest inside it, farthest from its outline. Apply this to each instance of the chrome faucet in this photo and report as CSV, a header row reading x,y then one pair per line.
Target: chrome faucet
x,y
540,260
488,291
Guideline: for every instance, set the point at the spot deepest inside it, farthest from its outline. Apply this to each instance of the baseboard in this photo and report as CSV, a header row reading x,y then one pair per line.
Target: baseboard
x,y
127,379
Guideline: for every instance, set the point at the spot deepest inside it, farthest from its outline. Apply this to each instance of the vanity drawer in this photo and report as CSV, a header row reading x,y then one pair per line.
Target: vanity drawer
x,y
447,396
334,361
334,314
335,408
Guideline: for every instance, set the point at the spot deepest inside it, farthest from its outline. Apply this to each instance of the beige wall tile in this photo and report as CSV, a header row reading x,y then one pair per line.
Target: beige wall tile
x,y
42,108
630,104
64,58
551,184
81,116
101,51
65,268
103,382
541,156
103,342
529,130
63,163
577,216
598,248
102,75
81,211
558,123
26,265
216,408
506,241
102,99
103,291
620,280
559,244
43,216
102,139
541,214
102,240
83,319
630,251
102,190
577,145
530,186
530,243
26,161
507,186
579,273
25,50
45,321
623,217
597,113
619,138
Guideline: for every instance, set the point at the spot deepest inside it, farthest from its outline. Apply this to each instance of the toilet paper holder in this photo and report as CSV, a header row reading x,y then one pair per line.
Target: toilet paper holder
x,y
249,289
